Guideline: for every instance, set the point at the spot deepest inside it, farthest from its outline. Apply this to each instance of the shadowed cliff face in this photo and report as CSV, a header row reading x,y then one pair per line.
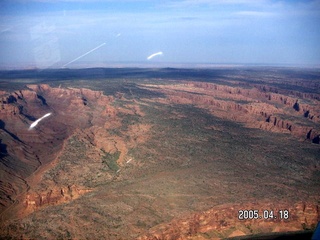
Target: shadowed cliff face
x,y
252,106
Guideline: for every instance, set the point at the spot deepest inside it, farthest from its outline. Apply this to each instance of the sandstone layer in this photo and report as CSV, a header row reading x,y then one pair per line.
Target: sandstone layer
x,y
27,153
223,222
255,107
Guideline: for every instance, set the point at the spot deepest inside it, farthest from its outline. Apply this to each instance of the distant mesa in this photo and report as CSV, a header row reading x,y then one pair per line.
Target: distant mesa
x,y
252,107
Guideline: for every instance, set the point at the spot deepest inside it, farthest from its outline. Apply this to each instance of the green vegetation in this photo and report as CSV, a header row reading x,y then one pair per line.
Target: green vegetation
x,y
110,159
127,120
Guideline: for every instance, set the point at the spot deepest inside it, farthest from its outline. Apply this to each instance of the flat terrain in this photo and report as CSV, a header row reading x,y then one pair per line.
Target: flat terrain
x,y
158,153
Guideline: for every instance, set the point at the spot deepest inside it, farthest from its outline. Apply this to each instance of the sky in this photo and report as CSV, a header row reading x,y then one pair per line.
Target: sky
x,y
88,33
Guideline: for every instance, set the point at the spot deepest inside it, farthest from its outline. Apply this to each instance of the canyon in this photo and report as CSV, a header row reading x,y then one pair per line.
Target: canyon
x,y
158,154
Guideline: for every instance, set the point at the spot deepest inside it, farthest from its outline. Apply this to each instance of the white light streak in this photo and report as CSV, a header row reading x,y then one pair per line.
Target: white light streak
x,y
84,54
38,120
155,54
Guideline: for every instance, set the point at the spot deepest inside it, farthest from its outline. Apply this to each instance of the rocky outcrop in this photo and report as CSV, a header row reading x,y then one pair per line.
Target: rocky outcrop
x,y
255,107
262,93
223,221
56,195
25,151
302,95
6,106
88,113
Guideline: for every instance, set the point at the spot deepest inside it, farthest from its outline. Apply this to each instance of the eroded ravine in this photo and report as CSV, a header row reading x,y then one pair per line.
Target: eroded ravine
x,y
83,113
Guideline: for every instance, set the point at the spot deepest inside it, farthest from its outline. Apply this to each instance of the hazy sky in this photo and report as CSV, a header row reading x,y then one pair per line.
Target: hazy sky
x,y
48,33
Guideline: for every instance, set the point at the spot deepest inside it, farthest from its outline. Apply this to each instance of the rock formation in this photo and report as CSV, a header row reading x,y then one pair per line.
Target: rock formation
x,y
85,146
222,221
27,153
253,106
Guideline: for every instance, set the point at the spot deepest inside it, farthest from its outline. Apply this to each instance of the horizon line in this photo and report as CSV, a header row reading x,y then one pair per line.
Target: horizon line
x,y
159,65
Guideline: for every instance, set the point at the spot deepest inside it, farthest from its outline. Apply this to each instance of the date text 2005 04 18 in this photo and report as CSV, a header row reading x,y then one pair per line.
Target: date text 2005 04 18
x,y
266,214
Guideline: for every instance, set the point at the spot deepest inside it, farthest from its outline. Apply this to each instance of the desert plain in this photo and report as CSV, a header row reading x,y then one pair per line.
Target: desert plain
x,y
134,153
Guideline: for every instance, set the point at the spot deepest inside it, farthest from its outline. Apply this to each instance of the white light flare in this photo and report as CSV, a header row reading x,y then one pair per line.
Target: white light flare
x,y
155,54
84,54
35,123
